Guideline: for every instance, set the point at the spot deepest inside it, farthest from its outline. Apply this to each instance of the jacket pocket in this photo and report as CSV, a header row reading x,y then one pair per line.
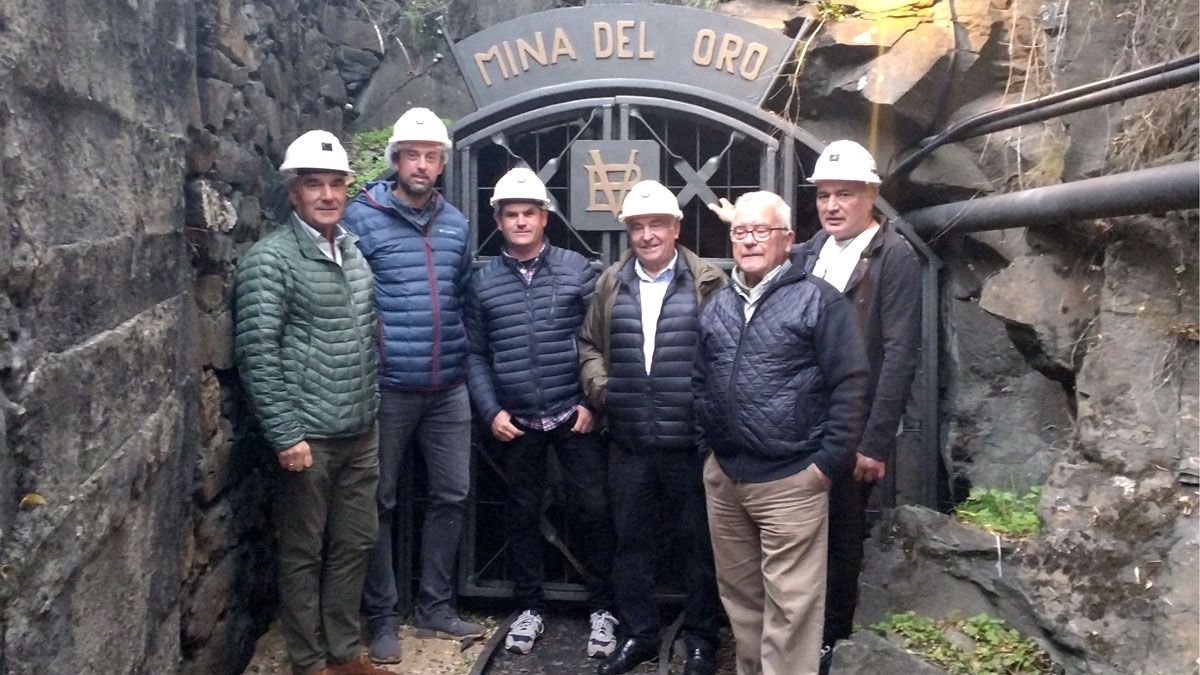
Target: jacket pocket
x,y
804,416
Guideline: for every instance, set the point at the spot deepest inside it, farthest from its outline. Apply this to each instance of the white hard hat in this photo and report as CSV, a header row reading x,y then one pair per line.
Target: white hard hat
x,y
420,124
649,197
845,160
316,149
520,185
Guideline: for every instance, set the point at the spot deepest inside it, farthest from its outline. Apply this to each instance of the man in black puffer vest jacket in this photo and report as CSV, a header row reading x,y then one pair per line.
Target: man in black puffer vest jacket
x,y
781,385
636,352
524,309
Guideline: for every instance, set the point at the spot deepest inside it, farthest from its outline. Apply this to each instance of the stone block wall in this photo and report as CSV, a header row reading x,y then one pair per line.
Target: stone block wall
x,y
266,71
96,389
138,142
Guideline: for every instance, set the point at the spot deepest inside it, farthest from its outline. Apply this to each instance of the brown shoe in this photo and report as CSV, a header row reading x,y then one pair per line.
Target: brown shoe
x,y
359,666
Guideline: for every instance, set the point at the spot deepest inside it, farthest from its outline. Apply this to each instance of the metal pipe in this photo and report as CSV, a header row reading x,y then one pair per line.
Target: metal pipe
x,y
1165,188
971,126
1147,85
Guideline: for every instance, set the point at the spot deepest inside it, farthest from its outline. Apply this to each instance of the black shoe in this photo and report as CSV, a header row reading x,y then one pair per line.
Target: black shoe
x,y
631,653
700,662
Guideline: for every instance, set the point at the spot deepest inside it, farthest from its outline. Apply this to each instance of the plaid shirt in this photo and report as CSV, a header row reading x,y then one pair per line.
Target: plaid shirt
x,y
547,423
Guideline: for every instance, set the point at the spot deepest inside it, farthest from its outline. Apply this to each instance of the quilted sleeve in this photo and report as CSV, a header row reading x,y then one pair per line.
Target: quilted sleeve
x,y
261,291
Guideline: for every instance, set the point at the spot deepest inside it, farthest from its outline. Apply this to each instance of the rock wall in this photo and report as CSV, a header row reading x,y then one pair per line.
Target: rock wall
x,y
137,144
266,70
1069,349
97,390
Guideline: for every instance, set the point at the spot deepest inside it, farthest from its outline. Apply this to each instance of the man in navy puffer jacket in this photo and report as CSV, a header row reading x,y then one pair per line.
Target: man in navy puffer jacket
x,y
781,385
524,309
418,249
636,350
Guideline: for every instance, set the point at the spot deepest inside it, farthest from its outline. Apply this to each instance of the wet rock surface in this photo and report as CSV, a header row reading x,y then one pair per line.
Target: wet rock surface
x,y
1119,514
866,653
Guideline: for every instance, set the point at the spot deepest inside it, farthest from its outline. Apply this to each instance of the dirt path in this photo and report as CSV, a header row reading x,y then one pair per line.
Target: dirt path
x,y
420,657
560,651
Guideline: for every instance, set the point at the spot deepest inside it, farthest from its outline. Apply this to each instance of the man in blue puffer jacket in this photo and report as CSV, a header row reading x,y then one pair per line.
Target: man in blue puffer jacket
x,y
525,308
418,249
781,398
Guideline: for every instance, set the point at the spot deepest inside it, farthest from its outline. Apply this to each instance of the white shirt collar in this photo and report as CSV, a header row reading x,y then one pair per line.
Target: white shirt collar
x,y
837,259
665,274
332,251
339,232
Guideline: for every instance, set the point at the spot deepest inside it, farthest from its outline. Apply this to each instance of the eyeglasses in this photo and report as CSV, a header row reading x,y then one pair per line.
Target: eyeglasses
x,y
761,232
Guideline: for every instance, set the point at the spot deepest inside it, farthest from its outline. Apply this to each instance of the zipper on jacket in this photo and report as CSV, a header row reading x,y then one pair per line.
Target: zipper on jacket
x,y
737,355
532,333
433,294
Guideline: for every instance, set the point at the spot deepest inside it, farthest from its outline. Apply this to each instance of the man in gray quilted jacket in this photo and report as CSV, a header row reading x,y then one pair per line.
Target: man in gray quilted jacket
x,y
305,350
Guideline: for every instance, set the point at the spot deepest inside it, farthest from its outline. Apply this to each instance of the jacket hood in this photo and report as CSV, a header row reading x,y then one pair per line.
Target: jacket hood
x,y
375,195
378,195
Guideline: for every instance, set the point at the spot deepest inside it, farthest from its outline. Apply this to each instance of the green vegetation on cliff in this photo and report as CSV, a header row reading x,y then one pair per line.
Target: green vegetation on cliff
x,y
980,645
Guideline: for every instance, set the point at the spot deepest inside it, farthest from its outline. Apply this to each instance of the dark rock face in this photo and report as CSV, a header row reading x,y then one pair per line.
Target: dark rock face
x,y
869,654
96,387
914,549
138,152
1120,526
284,67
1004,421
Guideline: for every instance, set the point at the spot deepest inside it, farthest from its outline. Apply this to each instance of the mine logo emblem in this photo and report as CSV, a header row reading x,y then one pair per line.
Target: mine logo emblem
x,y
602,173
601,181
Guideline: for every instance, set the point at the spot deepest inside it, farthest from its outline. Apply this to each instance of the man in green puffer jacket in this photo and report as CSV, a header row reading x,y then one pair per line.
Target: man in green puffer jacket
x,y
305,349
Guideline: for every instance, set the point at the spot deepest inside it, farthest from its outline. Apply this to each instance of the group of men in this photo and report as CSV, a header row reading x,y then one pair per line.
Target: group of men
x,y
756,408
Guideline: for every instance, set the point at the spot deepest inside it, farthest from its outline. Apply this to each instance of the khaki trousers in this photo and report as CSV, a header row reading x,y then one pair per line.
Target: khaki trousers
x,y
326,523
769,544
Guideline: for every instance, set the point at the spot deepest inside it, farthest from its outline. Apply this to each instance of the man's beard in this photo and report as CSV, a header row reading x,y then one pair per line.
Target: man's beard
x,y
413,190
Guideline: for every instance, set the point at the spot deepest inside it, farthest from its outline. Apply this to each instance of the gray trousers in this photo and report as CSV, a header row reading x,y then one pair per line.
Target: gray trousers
x,y
326,523
439,423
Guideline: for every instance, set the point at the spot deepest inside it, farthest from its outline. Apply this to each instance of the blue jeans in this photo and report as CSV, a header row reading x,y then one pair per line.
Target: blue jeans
x,y
438,422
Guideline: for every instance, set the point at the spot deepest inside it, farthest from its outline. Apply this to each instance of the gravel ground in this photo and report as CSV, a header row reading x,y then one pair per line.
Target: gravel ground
x,y
420,657
560,651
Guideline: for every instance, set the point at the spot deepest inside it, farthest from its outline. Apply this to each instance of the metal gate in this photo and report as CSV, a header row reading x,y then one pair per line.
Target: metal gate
x,y
591,129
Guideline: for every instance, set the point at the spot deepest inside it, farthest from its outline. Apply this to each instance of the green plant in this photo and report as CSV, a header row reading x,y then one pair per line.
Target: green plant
x,y
418,25
368,156
1001,511
829,10
993,649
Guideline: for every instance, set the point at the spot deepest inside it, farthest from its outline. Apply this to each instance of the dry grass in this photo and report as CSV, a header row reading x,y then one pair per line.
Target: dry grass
x,y
1162,127
1031,75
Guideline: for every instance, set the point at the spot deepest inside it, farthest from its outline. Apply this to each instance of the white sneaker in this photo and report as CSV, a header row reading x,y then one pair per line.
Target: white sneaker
x,y
524,632
603,640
